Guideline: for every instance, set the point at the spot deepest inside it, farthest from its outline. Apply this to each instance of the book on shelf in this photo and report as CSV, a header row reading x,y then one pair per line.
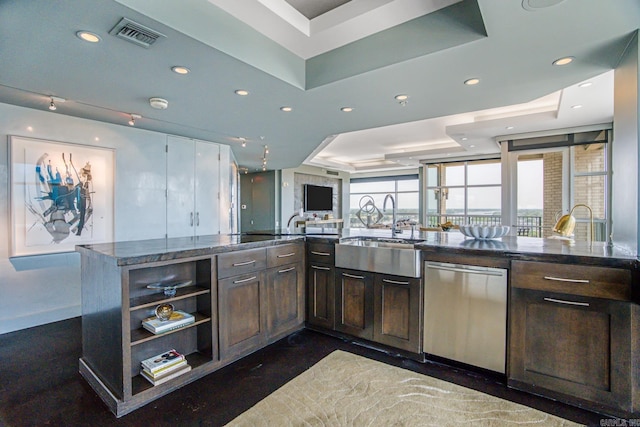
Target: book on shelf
x,y
178,319
166,369
162,361
167,376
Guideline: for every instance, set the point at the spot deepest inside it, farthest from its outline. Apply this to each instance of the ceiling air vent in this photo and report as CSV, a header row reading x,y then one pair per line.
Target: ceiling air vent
x,y
335,173
136,33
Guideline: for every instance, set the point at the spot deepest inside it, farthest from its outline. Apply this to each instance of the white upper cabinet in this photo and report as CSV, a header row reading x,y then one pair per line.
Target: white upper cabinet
x,y
193,187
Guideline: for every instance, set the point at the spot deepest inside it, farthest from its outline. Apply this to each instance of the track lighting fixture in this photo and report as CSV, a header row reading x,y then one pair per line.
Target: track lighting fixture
x,y
132,121
54,99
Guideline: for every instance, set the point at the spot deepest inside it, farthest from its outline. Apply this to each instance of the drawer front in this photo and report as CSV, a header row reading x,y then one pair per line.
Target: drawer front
x,y
241,262
589,281
284,254
322,252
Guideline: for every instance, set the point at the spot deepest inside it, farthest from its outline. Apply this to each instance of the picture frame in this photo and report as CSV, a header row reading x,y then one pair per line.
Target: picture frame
x,y
61,195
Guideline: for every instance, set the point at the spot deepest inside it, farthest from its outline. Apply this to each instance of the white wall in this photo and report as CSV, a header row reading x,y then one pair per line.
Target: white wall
x,y
40,289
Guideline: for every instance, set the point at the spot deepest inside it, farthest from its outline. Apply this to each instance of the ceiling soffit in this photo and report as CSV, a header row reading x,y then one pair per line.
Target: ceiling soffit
x,y
313,8
451,23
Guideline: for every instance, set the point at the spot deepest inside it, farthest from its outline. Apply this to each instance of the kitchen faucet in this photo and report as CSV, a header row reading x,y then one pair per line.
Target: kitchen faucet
x,y
394,229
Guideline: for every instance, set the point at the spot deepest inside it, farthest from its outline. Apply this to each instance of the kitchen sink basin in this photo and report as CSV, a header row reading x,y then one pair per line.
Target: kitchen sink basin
x,y
397,257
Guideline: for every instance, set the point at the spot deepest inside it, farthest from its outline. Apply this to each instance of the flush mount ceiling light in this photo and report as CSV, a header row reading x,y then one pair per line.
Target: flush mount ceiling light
x,y
132,121
242,92
346,109
575,107
563,61
585,84
158,103
472,81
88,36
179,69
286,109
509,127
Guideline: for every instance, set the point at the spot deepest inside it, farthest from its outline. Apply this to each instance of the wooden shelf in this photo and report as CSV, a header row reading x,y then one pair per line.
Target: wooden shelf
x,y
195,360
140,335
147,301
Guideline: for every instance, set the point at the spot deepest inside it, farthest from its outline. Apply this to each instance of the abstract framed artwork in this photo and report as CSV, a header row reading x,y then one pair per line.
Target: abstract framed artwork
x,y
61,195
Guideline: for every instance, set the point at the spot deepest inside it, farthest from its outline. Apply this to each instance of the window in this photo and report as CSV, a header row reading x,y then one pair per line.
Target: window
x,y
463,192
367,200
558,175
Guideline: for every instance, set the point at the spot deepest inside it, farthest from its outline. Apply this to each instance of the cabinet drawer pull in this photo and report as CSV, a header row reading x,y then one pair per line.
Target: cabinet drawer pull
x,y
286,255
320,268
240,264
559,301
394,282
560,279
244,280
352,276
320,253
286,270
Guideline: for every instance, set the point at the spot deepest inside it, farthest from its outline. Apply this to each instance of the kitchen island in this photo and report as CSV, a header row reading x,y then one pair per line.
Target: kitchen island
x,y
249,290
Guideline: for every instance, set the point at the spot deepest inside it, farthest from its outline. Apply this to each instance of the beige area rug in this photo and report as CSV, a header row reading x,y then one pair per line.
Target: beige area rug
x,y
348,390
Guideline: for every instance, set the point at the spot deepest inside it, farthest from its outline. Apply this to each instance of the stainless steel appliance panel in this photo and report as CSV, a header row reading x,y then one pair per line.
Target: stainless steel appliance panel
x,y
466,314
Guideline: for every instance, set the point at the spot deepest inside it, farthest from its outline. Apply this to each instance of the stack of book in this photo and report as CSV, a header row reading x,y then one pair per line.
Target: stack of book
x,y
163,367
178,319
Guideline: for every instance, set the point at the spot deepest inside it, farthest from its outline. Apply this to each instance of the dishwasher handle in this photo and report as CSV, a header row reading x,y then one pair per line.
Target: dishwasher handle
x,y
491,272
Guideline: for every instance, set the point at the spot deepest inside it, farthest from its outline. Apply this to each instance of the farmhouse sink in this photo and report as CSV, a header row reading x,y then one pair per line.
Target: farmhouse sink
x,y
390,256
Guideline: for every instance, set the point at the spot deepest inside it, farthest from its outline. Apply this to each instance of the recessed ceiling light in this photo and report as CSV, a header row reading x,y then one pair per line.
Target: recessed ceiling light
x,y
509,127
471,82
563,61
585,84
575,107
88,36
346,109
464,138
472,146
242,92
30,128
179,69
286,109
402,97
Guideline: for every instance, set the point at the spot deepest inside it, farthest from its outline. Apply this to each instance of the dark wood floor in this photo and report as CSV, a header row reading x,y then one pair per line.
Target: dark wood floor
x,y
40,383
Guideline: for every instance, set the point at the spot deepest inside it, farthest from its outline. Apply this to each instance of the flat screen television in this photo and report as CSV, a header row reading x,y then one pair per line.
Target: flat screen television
x,y
318,198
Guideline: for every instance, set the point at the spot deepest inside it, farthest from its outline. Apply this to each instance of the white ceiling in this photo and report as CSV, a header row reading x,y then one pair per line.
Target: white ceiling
x,y
376,50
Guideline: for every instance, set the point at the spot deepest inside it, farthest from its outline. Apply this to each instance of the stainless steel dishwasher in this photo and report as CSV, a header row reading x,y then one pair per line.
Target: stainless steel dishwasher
x,y
465,314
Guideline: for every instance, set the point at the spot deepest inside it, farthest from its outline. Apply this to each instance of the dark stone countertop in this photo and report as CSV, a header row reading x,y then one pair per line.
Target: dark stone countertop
x,y
528,248
143,251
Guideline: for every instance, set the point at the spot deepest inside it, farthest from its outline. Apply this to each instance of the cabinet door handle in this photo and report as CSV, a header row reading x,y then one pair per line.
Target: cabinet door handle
x,y
559,301
352,276
286,255
320,253
244,280
561,279
197,219
320,268
240,264
286,270
394,282
191,220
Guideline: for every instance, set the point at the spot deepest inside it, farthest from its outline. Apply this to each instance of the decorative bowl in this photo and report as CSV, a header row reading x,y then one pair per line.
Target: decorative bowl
x,y
484,232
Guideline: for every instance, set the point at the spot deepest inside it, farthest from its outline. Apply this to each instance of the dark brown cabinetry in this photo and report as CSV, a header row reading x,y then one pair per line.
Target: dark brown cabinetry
x,y
261,297
354,303
285,290
321,285
241,302
397,306
115,301
570,334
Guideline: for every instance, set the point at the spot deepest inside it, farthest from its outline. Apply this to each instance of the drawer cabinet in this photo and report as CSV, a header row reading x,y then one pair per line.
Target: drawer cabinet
x,y
285,290
241,262
321,285
570,334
